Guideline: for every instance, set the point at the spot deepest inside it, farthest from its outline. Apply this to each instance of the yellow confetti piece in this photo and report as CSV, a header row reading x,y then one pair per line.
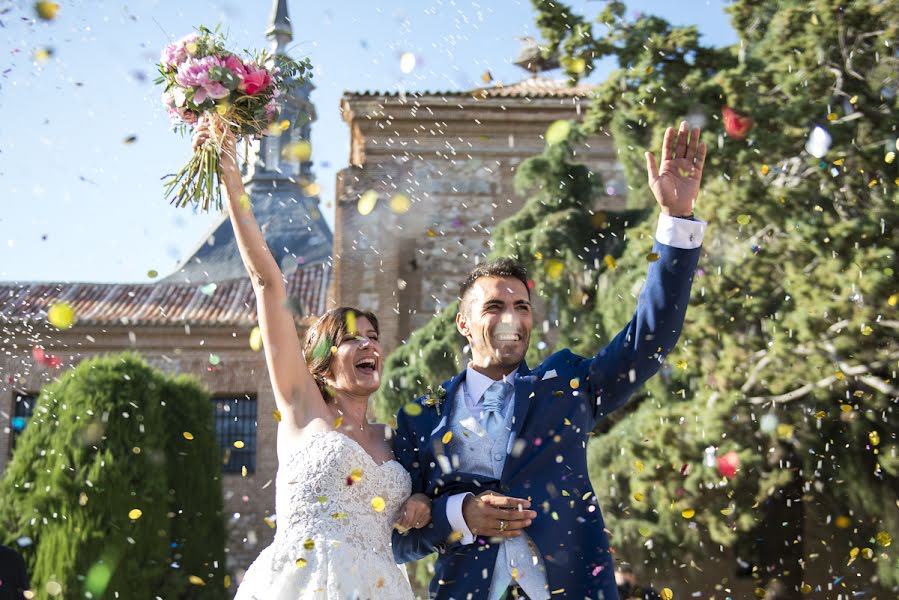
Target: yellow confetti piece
x,y
839,375
134,514
652,257
244,201
338,422
152,273
760,593
575,64
301,562
367,202
866,330
638,466
681,364
351,323
413,409
845,407
277,415
486,77
842,522
638,496
744,219
820,414
874,437
515,573
297,151
785,431
356,474
872,183
400,203
54,588
312,189
309,544
667,594
764,170
227,581
890,157
194,580
61,315
557,132
610,261
188,435
574,383
238,444
243,471
447,437
46,10
893,300
339,515
268,521
867,553
644,530
832,116
256,339
838,162
884,539
553,268
687,513
378,504
805,588
727,511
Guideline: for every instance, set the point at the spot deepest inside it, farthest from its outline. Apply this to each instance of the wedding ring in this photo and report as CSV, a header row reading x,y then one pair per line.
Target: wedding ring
x,y
502,525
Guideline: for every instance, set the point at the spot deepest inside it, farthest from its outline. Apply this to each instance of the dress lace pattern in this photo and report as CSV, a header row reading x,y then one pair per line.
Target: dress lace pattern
x,y
335,511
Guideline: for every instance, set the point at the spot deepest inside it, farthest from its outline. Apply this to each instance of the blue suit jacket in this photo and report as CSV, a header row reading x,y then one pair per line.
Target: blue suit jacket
x,y
552,419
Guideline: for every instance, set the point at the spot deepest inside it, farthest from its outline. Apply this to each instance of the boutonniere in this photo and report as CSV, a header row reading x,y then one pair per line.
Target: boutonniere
x,y
435,399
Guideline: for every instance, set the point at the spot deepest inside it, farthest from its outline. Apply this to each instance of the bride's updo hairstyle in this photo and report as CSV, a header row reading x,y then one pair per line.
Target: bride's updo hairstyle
x,y
327,332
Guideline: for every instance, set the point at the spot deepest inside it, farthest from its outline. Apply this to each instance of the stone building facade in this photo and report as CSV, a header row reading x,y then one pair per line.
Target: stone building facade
x,y
453,155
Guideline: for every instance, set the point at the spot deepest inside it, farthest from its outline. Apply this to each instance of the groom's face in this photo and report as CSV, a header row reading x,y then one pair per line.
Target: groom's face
x,y
496,319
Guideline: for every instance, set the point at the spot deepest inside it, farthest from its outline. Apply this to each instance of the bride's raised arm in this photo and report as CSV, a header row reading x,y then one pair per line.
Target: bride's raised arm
x,y
296,394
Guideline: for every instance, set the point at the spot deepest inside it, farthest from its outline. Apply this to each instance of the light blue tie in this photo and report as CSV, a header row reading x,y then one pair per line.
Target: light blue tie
x,y
494,400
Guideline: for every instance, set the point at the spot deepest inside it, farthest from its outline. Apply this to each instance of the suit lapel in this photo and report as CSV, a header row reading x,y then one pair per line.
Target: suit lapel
x,y
435,443
524,393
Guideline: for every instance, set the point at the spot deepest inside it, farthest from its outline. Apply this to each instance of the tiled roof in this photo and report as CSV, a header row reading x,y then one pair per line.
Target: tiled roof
x,y
533,87
229,303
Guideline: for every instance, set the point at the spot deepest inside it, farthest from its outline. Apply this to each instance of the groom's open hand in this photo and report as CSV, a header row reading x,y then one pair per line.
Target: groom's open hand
x,y
676,184
494,515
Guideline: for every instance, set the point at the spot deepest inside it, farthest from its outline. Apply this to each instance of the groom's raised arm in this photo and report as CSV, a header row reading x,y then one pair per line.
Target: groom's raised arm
x,y
434,537
637,352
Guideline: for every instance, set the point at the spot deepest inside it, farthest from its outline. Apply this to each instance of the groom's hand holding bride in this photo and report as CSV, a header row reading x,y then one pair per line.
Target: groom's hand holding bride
x,y
493,515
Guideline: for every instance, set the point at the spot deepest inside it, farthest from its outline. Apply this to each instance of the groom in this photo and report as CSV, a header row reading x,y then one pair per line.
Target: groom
x,y
503,451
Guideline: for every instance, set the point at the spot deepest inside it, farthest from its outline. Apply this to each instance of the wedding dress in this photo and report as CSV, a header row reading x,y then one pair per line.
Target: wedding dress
x,y
335,511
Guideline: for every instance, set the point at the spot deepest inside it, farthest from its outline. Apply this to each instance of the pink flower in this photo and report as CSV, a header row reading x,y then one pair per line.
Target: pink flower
x,y
194,73
236,66
177,52
257,79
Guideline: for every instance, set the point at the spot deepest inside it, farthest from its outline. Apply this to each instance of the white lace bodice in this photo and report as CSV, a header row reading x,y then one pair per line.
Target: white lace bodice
x,y
335,511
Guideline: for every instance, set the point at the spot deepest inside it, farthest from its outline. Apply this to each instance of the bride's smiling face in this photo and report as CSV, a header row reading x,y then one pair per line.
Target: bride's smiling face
x,y
355,366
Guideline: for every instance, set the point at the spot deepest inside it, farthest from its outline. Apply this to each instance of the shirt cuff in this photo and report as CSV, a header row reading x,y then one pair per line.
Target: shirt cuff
x,y
685,234
455,518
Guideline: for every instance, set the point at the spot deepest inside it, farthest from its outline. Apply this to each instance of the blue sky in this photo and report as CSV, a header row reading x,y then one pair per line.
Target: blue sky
x,y
79,204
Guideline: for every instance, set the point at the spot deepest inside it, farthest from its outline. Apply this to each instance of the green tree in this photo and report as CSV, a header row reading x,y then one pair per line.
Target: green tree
x,y
110,491
788,354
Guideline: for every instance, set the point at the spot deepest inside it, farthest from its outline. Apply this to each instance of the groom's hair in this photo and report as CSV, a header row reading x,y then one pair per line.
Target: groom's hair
x,y
501,267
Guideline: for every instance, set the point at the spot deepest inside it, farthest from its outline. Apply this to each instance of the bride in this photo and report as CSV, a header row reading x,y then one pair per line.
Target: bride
x,y
338,491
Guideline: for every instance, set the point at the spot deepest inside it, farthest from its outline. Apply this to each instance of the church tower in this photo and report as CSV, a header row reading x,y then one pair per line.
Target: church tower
x,y
285,202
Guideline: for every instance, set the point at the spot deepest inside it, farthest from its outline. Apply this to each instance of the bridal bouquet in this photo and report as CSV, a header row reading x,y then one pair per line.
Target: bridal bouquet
x,y
203,79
